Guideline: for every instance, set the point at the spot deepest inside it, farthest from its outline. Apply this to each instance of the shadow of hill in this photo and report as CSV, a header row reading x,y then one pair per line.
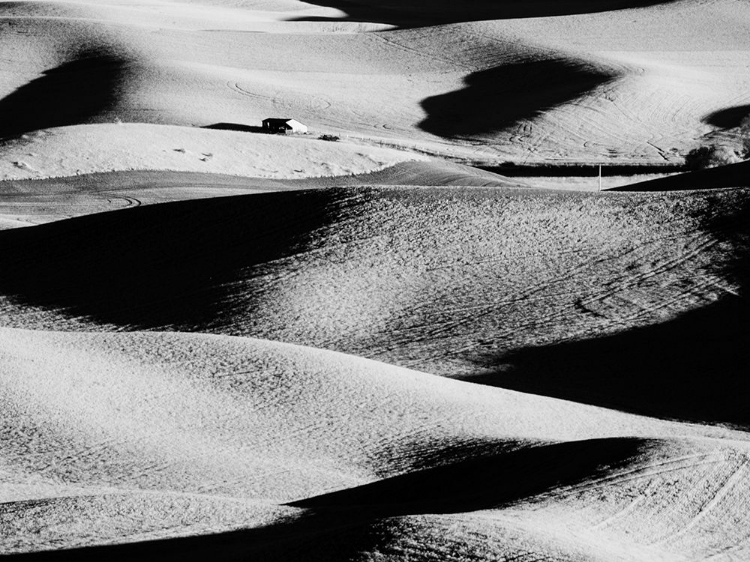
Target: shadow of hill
x,y
235,127
160,265
732,175
485,483
341,525
693,367
71,94
501,97
417,13
728,118
307,537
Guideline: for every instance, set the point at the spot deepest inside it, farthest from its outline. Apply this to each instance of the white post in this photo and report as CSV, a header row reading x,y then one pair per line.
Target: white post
x,y
600,177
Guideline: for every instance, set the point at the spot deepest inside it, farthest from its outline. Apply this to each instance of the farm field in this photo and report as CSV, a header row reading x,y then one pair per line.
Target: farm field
x,y
366,342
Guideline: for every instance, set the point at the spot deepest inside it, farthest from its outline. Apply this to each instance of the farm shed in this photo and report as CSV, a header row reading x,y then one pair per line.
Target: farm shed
x,y
276,125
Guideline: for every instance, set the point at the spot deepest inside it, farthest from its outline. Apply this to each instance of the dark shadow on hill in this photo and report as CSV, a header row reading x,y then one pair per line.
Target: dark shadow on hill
x,y
694,367
344,525
728,118
486,483
235,127
732,175
501,97
418,13
307,537
168,265
73,93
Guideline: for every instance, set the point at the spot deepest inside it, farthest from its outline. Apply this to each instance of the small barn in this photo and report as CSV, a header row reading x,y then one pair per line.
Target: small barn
x,y
277,125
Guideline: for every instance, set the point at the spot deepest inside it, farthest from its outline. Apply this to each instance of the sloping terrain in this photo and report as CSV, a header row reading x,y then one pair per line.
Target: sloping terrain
x,y
632,84
451,281
732,175
27,202
115,147
109,436
290,348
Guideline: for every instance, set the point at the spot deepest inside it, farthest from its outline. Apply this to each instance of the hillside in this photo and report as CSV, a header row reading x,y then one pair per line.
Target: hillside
x,y
359,344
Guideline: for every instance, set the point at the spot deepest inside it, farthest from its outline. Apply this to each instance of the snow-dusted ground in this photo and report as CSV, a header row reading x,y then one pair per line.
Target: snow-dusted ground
x,y
112,437
107,148
366,353
626,85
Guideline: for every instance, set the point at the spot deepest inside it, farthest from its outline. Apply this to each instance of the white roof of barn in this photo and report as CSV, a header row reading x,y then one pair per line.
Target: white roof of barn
x,y
295,123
